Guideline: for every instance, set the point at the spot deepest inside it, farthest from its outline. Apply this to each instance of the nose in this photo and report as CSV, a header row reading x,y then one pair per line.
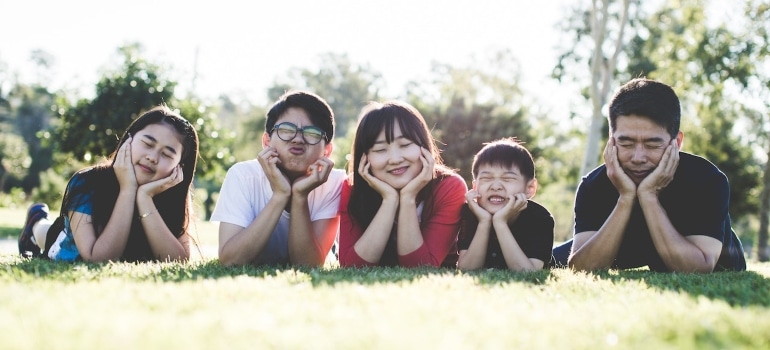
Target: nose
x,y
496,184
640,155
395,156
152,157
298,138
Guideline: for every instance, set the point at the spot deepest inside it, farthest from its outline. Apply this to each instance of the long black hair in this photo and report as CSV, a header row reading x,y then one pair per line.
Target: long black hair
x,y
376,117
99,184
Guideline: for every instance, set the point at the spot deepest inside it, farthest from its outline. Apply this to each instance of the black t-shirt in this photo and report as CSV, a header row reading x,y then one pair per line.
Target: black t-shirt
x,y
696,202
533,231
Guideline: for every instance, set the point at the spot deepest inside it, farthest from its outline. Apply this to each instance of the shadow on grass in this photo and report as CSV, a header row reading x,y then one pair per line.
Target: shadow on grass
x,y
745,288
20,269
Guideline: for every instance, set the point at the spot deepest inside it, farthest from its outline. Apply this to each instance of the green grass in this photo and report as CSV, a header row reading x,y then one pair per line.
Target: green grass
x,y
202,305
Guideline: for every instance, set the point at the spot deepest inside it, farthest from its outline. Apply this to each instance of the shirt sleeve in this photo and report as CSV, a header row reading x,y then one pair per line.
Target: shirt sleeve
x,y
234,203
350,233
80,200
327,202
440,230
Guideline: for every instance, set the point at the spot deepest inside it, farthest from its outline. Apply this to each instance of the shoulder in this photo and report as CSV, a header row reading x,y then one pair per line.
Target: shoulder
x,y
450,181
696,168
537,209
246,167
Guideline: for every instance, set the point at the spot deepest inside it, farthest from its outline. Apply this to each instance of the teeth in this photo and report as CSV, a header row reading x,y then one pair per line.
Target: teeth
x,y
496,200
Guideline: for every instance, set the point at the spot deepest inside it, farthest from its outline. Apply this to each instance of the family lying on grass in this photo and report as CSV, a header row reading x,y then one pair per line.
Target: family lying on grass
x,y
649,204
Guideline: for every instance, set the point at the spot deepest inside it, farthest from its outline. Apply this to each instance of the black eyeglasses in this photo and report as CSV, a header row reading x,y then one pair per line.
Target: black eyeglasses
x,y
287,131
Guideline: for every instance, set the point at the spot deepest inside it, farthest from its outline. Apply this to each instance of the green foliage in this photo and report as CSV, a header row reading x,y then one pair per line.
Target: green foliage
x,y
51,189
14,160
33,119
214,151
94,127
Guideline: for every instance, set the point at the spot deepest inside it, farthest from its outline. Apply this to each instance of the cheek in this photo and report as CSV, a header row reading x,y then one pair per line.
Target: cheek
x,y
377,161
136,153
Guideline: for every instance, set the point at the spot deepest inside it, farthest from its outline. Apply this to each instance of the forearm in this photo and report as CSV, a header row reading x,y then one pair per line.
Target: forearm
x,y
473,258
371,245
677,252
599,250
111,241
515,258
304,248
243,246
164,245
408,229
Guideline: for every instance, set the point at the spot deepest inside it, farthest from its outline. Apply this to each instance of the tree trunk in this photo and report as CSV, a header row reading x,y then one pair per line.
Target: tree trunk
x,y
602,71
763,253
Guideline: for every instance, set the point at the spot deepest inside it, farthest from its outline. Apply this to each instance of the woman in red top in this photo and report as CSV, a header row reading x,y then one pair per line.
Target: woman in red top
x,y
400,205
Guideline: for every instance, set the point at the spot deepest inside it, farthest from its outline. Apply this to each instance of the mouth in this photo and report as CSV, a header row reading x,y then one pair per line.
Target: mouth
x,y
639,174
397,171
496,200
146,169
297,151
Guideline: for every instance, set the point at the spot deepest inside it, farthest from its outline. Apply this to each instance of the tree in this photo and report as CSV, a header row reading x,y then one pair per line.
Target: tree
x,y
757,51
92,128
32,118
596,25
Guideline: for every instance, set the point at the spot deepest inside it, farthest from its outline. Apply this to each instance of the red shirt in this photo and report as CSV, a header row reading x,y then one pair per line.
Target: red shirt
x,y
439,231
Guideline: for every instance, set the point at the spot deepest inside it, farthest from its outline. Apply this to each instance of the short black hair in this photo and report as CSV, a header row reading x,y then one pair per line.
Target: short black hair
x,y
650,99
316,107
506,153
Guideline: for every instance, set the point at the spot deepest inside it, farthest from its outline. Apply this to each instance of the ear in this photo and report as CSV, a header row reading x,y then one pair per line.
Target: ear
x,y
473,184
328,148
531,188
679,139
265,140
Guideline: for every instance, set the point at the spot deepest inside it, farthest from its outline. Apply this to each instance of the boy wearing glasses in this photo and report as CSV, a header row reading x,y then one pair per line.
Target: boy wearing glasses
x,y
281,208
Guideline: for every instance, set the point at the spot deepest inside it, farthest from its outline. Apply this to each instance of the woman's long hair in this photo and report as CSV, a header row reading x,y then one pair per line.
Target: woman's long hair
x,y
376,117
101,184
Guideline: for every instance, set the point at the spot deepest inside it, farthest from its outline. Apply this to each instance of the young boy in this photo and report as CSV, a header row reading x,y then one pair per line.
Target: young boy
x,y
501,226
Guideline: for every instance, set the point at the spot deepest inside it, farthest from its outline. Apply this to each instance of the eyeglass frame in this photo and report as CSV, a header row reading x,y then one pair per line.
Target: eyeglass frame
x,y
298,129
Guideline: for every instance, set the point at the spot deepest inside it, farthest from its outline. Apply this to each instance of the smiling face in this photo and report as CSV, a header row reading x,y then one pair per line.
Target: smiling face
x,y
395,163
641,144
155,151
496,183
295,155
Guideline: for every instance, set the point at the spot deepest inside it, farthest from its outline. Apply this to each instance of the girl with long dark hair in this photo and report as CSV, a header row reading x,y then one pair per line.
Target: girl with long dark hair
x,y
136,206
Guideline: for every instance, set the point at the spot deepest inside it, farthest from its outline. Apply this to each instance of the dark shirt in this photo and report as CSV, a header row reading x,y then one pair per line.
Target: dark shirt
x,y
533,231
696,201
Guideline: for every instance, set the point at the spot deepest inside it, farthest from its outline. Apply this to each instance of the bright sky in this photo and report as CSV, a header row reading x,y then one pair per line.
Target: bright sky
x,y
244,45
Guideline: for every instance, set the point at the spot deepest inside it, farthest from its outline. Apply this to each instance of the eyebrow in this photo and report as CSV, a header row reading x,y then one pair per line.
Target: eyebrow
x,y
651,139
509,172
171,149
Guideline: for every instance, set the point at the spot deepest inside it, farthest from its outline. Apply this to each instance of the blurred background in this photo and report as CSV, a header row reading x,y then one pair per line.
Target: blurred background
x,y
74,74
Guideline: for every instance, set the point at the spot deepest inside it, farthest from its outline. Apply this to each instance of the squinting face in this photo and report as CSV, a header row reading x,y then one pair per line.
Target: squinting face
x,y
395,163
640,144
155,151
495,184
296,155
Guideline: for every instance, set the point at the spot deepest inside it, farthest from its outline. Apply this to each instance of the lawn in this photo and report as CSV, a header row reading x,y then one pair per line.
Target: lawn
x,y
201,305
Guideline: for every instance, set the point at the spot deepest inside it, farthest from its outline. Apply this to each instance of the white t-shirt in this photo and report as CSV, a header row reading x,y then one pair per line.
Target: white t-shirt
x,y
246,191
